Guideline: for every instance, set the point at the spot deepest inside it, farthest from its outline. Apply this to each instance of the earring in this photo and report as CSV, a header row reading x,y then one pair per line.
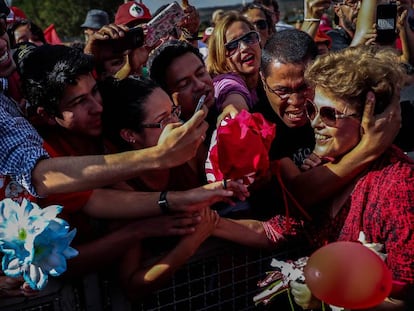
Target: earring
x,y
132,141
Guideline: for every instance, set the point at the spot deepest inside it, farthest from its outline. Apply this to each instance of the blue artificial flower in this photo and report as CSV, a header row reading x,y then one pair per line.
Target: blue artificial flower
x,y
34,241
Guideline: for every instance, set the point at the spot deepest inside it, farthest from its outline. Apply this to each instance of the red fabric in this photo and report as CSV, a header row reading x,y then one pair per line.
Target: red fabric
x,y
322,37
51,35
16,14
132,13
382,207
242,147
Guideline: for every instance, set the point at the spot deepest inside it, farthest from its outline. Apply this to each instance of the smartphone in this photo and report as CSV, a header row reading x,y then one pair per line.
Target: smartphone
x,y
134,38
163,23
200,103
386,21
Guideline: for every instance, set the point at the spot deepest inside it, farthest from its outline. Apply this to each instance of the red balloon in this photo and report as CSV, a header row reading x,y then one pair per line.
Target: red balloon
x,y
349,275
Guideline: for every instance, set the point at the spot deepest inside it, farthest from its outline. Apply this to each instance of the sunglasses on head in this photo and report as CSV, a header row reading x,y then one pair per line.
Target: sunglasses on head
x,y
260,24
328,115
249,38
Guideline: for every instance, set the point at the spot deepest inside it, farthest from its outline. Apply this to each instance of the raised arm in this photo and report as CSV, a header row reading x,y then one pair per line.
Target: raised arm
x,y
365,20
313,13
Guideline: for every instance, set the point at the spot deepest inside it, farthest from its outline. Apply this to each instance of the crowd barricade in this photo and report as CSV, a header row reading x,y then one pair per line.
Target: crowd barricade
x,y
220,276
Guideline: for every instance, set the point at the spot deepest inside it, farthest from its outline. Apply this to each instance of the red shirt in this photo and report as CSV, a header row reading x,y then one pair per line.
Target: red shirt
x,y
381,205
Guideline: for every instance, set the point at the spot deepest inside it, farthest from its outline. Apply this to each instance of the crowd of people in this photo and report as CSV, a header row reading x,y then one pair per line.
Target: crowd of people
x,y
109,130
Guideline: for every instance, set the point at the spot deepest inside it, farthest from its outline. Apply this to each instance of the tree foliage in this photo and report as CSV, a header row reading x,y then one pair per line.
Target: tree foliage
x,y
67,16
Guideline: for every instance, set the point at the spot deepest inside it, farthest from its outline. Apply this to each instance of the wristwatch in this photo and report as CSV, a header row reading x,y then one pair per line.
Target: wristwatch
x,y
163,203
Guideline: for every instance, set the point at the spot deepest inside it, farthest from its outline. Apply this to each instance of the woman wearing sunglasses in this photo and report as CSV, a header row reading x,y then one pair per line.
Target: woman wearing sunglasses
x,y
379,202
233,62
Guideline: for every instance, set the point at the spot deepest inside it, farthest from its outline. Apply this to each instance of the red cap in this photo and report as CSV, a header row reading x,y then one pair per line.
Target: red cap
x,y
132,13
16,14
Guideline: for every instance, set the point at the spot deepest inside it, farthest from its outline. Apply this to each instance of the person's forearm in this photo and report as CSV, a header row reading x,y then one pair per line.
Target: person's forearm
x,y
100,252
119,204
365,20
248,232
70,174
323,181
147,279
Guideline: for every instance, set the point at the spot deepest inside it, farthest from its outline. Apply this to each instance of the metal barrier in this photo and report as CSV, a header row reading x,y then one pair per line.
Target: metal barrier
x,y
220,276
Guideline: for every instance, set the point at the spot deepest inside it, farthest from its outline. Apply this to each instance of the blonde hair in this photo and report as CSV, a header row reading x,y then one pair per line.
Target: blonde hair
x,y
351,73
217,60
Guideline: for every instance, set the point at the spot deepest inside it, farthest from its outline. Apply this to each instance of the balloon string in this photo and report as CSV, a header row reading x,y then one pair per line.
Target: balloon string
x,y
275,169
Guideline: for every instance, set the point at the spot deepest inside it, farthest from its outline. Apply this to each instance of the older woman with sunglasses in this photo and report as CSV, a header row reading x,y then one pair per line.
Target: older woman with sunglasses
x,y
379,202
233,62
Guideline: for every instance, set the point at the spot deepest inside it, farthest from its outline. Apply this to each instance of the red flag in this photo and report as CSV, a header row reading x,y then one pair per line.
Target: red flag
x,y
51,35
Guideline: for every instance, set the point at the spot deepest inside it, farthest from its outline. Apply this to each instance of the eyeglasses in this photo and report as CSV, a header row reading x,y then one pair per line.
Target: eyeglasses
x,y
249,38
328,115
285,92
175,114
260,24
3,24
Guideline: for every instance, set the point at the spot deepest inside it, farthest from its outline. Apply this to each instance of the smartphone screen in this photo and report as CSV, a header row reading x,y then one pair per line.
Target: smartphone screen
x,y
386,23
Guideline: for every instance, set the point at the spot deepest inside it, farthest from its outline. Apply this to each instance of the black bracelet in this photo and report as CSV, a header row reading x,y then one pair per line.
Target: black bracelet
x,y
163,203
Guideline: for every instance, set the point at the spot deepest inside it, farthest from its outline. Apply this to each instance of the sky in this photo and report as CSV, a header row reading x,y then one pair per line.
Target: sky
x,y
153,5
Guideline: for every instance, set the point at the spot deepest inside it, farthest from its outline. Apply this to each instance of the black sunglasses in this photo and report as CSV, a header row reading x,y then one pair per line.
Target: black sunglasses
x,y
328,115
261,24
249,38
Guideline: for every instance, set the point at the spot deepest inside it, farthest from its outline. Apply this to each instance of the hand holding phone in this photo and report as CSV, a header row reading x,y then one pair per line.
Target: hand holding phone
x,y
164,23
386,21
200,103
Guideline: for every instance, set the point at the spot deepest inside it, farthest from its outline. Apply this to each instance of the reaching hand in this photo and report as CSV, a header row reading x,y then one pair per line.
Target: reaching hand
x,y
12,287
315,8
209,221
311,161
95,45
164,225
379,131
199,198
179,142
303,296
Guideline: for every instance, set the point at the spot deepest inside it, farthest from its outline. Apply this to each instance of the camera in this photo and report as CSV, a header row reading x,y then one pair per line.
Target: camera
x,y
134,38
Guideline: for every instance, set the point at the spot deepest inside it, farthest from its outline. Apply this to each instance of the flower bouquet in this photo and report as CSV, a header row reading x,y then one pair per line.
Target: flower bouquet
x,y
35,243
278,281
